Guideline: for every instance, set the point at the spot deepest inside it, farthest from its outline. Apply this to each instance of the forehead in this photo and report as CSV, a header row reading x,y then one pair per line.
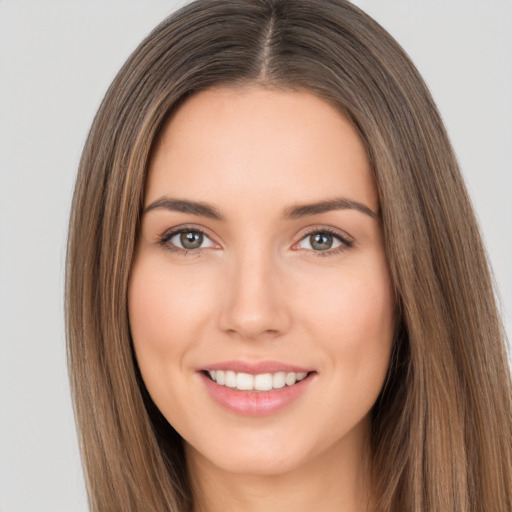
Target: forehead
x,y
259,144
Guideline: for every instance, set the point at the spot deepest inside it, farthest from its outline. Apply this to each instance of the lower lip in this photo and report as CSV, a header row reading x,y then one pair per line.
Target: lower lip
x,y
255,403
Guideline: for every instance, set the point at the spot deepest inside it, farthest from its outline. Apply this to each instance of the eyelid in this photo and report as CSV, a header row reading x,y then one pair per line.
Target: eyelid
x,y
168,234
343,235
346,241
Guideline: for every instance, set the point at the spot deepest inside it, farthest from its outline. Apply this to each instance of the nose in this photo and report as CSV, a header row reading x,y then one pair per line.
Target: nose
x,y
255,304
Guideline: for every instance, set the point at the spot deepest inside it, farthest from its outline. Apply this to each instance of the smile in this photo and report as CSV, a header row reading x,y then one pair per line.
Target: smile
x,y
259,382
256,389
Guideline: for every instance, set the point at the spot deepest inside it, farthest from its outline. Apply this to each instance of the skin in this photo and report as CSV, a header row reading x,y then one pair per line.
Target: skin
x,y
259,290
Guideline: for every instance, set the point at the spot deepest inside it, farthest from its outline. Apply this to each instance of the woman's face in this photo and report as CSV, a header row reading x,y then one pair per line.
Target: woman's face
x,y
261,263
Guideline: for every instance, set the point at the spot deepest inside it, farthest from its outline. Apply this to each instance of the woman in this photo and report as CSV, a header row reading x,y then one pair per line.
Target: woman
x,y
277,294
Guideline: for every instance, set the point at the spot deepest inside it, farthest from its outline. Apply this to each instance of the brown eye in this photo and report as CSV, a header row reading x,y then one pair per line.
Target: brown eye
x,y
321,241
187,240
191,239
324,242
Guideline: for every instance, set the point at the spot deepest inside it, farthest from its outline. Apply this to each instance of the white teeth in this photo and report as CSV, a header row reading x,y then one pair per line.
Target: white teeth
x,y
261,382
244,382
230,379
290,378
220,378
279,380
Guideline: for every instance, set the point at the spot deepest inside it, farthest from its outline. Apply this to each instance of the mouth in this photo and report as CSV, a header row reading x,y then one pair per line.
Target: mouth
x,y
259,382
256,389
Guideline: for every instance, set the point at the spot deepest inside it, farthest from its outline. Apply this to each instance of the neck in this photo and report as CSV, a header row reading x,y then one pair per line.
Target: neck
x,y
335,480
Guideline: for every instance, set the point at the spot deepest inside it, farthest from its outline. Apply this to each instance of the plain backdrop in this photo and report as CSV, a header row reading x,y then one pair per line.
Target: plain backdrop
x,y
56,62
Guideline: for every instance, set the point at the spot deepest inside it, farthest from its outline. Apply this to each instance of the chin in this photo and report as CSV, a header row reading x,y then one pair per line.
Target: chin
x,y
274,459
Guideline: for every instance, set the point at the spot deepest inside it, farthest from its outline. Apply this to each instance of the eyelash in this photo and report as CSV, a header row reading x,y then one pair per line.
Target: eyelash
x,y
346,243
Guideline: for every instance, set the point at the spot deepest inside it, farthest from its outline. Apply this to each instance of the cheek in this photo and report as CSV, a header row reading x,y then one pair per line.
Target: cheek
x,y
160,315
163,311
355,326
166,311
354,305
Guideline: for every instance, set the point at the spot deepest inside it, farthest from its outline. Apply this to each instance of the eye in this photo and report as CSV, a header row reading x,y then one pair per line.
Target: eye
x,y
186,239
324,242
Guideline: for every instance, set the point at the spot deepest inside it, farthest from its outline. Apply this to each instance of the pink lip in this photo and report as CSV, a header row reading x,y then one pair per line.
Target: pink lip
x,y
255,368
255,403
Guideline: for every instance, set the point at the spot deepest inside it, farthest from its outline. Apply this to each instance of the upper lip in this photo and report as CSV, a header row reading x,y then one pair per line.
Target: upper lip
x,y
255,367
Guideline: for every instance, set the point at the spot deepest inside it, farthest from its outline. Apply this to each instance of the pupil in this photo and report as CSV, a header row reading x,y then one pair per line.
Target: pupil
x,y
321,241
191,239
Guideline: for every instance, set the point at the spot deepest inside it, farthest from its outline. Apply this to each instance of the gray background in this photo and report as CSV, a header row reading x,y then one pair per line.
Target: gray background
x,y
56,61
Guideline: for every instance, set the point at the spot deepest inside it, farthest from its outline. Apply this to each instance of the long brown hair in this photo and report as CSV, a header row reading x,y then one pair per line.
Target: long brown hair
x,y
442,425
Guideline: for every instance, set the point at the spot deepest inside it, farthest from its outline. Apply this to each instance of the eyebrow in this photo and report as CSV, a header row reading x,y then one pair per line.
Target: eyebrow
x,y
337,203
185,206
292,212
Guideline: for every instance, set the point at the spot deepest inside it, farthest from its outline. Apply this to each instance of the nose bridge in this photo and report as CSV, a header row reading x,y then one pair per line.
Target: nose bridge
x,y
254,302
